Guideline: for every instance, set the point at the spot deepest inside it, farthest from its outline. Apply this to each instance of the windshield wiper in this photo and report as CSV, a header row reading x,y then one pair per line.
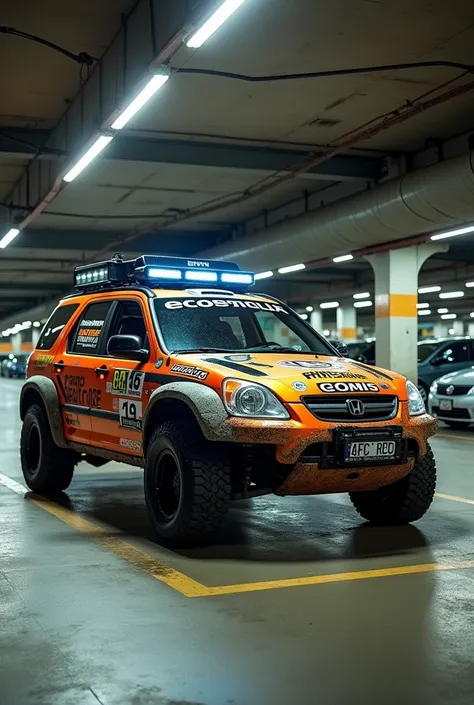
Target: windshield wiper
x,y
200,350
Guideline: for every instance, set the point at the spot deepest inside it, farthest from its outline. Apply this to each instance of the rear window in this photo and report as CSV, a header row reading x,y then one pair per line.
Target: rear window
x,y
55,325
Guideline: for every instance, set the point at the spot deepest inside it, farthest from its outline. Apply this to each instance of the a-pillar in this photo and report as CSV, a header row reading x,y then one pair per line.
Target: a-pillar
x,y
396,296
316,320
346,323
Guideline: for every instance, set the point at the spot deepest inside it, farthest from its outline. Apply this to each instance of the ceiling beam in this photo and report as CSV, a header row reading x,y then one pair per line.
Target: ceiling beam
x,y
14,143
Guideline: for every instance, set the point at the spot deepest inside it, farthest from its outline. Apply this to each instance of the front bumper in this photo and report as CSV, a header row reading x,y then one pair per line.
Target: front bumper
x,y
462,407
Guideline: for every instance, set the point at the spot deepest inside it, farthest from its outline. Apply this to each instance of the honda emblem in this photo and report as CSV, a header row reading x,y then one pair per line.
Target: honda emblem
x,y
355,407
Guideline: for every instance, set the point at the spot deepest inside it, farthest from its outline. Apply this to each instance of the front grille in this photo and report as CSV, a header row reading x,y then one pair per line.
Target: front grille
x,y
451,413
457,391
334,408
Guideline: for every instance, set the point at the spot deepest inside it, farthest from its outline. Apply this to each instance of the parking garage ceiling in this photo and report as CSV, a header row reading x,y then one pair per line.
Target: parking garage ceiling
x,y
204,139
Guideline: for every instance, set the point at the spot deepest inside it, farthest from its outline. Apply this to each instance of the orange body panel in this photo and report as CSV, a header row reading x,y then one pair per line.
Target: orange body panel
x,y
103,399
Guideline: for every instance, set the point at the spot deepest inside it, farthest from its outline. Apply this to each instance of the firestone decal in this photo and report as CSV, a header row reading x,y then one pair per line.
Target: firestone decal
x,y
327,374
190,371
310,364
224,303
332,388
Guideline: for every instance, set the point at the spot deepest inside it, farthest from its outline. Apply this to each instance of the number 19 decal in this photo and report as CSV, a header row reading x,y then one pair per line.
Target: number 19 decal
x,y
130,413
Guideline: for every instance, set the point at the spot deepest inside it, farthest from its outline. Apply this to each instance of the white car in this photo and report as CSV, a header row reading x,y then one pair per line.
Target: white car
x,y
451,398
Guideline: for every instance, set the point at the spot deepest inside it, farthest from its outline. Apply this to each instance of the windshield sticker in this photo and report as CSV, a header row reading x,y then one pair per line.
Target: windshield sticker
x,y
89,333
310,364
299,386
130,413
327,374
224,303
190,371
127,383
331,388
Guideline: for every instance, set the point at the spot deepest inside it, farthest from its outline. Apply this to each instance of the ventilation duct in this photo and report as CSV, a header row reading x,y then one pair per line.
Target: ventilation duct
x,y
434,198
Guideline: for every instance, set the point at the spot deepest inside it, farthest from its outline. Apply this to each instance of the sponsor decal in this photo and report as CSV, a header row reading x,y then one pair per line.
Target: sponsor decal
x,y
159,363
310,364
335,387
197,263
385,386
131,445
130,414
88,334
41,361
75,392
328,374
299,386
224,303
72,420
127,383
238,358
190,371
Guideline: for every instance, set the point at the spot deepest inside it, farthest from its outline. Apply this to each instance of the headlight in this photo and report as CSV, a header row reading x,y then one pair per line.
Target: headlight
x,y
416,405
252,400
434,388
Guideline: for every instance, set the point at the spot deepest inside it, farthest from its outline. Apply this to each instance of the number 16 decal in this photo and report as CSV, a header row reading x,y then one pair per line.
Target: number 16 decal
x,y
130,413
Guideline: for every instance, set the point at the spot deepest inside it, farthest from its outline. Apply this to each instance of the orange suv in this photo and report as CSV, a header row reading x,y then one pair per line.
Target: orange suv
x,y
171,365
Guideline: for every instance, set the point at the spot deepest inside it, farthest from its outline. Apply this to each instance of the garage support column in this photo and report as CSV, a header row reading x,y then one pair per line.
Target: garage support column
x,y
16,343
35,334
316,320
346,323
396,296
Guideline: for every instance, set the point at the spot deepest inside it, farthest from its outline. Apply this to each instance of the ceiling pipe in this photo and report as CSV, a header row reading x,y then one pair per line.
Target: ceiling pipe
x,y
434,198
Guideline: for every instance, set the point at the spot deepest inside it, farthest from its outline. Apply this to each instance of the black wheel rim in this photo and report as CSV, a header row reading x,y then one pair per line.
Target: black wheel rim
x,y
33,449
168,484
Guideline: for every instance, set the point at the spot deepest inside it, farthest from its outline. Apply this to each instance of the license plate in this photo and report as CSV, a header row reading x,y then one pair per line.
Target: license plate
x,y
446,404
357,451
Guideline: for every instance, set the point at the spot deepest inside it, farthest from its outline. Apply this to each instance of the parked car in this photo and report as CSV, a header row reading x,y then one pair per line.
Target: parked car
x,y
362,352
451,398
442,356
5,365
16,367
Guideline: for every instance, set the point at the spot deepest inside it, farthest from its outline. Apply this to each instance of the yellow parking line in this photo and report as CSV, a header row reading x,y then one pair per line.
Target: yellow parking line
x,y
453,498
191,588
452,435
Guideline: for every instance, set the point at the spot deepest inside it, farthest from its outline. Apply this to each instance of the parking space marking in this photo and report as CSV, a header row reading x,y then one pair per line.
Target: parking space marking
x,y
188,587
453,498
452,435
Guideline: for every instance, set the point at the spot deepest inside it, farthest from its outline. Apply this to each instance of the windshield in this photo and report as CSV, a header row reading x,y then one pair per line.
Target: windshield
x,y
425,350
234,323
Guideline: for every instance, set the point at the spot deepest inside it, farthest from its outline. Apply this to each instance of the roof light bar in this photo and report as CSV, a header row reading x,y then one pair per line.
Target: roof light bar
x,y
197,275
11,235
100,144
216,20
291,268
453,233
153,85
237,278
343,258
159,273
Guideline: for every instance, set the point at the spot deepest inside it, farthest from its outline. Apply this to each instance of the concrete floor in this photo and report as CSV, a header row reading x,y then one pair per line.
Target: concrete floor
x,y
81,625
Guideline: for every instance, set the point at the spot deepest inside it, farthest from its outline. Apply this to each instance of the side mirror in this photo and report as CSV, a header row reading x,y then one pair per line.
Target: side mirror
x,y
341,347
127,347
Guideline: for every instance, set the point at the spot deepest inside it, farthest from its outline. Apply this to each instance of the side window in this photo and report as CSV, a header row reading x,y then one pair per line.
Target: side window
x,y
129,320
55,325
90,327
457,352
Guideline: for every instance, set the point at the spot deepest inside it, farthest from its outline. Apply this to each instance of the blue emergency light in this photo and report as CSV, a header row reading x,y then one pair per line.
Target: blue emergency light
x,y
158,271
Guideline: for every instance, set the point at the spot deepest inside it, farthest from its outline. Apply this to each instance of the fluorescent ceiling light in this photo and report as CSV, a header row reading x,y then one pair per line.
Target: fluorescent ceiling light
x,y
221,15
453,233
11,235
329,304
291,268
443,310
263,275
363,304
304,316
472,314
469,285
309,308
451,331
448,316
424,312
428,289
422,305
363,295
326,332
100,144
452,295
36,324
143,97
343,258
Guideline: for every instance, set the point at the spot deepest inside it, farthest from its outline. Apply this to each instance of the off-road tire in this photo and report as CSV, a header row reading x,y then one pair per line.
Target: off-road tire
x,y
457,425
402,502
204,485
47,469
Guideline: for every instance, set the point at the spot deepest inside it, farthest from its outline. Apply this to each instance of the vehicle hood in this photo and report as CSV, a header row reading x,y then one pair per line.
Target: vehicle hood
x,y
290,376
461,377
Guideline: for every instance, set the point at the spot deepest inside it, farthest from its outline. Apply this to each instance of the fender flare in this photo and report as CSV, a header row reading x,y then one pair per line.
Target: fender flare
x,y
46,389
205,404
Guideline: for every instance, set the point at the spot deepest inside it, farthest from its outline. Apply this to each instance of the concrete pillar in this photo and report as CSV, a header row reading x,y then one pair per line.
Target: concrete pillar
x,y
346,323
470,330
441,330
16,343
457,325
396,296
316,320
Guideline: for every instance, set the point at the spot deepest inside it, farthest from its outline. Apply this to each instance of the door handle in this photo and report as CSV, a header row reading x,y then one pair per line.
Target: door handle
x,y
102,372
58,366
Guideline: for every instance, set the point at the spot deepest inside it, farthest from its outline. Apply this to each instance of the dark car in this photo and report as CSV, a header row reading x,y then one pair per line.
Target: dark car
x,y
362,352
16,367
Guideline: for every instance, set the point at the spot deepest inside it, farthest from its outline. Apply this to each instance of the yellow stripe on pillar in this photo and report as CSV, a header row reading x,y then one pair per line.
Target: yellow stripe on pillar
x,y
396,305
348,333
